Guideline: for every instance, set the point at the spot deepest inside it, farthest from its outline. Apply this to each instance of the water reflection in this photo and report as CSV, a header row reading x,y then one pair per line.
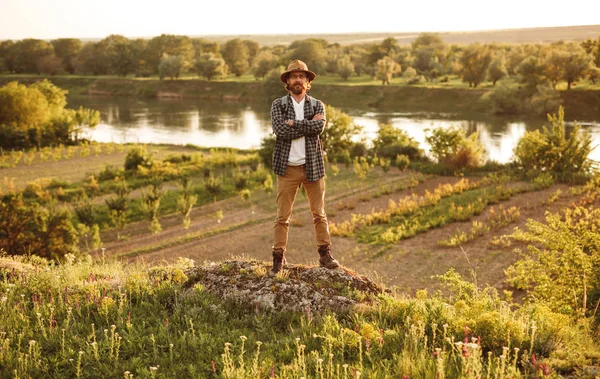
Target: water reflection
x,y
218,124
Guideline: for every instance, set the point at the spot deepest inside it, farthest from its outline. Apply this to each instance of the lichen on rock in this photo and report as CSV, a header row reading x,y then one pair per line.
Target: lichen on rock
x,y
297,288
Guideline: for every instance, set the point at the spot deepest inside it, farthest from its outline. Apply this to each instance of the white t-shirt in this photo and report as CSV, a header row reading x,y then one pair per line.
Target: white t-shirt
x,y
298,149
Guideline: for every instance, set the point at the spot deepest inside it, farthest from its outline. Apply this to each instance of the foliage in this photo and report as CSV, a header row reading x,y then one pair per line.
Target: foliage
x,y
136,157
560,266
475,60
551,150
339,132
34,229
345,67
170,66
451,147
386,67
390,142
237,56
211,66
101,318
267,147
35,116
497,69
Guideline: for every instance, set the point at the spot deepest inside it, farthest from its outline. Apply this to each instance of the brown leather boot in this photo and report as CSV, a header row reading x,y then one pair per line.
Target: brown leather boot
x,y
278,262
326,260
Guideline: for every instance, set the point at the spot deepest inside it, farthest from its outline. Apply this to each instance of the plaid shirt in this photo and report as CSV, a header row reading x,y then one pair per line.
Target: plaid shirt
x,y
308,128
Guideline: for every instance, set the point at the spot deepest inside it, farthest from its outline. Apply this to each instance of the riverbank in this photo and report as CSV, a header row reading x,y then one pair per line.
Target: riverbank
x,y
579,104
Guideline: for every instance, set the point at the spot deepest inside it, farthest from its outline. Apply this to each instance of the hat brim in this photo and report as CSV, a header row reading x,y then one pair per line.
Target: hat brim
x,y
285,75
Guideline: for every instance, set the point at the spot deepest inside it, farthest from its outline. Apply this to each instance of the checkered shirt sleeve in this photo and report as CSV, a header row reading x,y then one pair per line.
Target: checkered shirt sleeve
x,y
310,129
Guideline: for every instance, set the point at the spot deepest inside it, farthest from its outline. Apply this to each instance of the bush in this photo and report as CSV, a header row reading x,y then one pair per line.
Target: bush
x,y
390,142
138,156
109,173
178,158
402,162
339,131
452,148
265,152
552,151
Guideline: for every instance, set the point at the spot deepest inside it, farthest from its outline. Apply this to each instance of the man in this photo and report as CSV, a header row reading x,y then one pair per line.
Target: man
x,y
298,120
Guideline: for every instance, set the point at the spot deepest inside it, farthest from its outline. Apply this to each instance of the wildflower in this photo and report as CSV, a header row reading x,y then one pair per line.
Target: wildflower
x,y
4,299
243,338
297,338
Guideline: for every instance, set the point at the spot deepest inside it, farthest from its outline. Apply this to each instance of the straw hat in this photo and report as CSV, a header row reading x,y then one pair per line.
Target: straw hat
x,y
298,65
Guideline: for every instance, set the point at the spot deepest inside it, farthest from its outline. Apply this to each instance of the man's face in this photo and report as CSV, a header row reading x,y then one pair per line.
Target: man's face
x,y
297,82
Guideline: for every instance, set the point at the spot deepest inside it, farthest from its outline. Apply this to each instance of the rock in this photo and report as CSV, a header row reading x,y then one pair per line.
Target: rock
x,y
297,288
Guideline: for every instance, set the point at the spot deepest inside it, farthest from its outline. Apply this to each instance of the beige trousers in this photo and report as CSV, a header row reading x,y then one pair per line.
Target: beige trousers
x,y
287,188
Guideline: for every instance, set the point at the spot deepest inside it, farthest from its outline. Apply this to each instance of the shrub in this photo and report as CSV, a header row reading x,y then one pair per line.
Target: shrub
x,y
267,146
138,156
552,151
391,141
452,148
339,131
109,173
402,162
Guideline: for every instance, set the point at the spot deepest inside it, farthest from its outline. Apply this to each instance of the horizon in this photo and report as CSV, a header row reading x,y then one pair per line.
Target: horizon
x,y
46,20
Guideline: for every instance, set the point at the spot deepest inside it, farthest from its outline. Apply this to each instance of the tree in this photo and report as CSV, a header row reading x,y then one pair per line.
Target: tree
x,y
389,46
311,51
554,65
67,49
253,48
531,71
168,45
385,69
50,64
515,55
263,63
7,55
123,58
475,60
92,60
345,67
593,74
211,66
170,66
429,51
236,56
36,116
427,63
28,52
497,69
118,205
22,107
186,201
592,47
577,65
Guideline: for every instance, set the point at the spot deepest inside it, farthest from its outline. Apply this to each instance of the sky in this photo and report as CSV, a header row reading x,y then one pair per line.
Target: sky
x,y
49,19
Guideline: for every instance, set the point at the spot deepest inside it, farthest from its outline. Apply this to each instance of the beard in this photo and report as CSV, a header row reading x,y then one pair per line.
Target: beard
x,y
298,88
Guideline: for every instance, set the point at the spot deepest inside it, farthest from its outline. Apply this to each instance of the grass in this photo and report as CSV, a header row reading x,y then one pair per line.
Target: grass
x,y
86,318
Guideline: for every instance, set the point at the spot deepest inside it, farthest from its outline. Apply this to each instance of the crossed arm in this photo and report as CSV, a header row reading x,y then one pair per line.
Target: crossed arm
x,y
296,128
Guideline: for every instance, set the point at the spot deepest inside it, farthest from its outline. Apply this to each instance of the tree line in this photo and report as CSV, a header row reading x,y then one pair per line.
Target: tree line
x,y
428,58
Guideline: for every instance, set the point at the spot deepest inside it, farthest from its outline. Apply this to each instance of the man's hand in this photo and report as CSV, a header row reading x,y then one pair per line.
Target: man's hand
x,y
318,116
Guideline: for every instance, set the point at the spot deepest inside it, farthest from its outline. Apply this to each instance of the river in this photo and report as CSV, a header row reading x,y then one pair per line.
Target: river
x,y
219,124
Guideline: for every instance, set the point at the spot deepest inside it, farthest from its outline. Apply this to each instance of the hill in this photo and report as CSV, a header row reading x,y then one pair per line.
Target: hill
x,y
526,35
